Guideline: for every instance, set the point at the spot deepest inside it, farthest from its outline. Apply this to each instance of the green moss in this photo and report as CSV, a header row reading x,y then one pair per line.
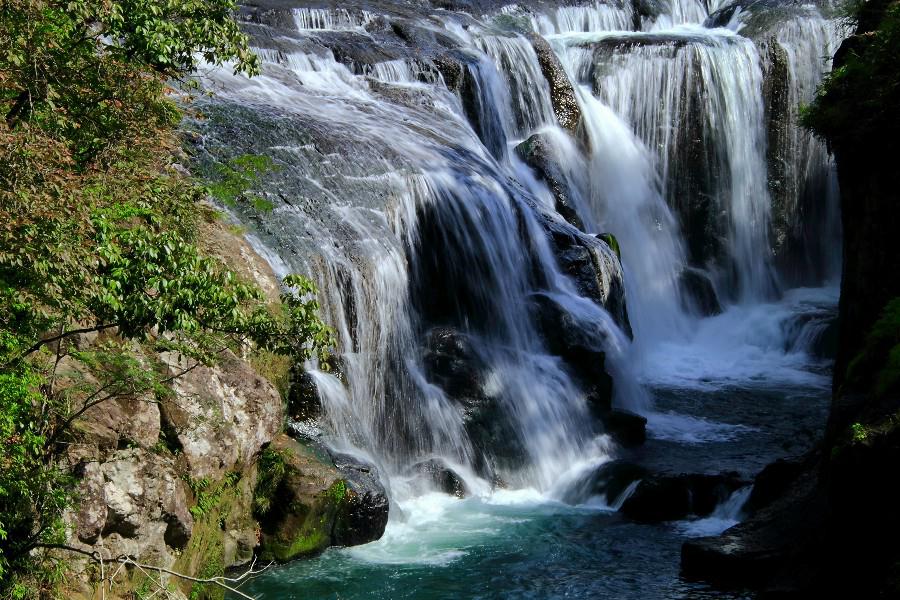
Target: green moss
x,y
217,505
304,544
612,242
860,434
338,491
271,469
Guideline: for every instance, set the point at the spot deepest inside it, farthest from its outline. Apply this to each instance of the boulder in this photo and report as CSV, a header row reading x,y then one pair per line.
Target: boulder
x,y
610,480
452,363
697,293
671,497
593,265
775,547
363,514
442,477
566,338
316,504
626,428
221,415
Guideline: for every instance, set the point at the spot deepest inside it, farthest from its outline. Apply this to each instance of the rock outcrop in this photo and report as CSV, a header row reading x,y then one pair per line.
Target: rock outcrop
x,y
314,504
171,477
221,415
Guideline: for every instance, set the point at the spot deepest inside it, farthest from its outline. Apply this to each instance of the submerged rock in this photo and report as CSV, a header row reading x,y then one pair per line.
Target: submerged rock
x,y
672,497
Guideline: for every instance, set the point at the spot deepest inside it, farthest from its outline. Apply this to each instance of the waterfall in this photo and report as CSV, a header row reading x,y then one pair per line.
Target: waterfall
x,y
436,247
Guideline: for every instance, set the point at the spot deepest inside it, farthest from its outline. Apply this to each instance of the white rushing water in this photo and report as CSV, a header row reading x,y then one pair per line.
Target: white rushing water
x,y
401,196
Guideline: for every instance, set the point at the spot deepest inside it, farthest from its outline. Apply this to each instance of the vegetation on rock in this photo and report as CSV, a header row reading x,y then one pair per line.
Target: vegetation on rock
x,y
98,237
857,103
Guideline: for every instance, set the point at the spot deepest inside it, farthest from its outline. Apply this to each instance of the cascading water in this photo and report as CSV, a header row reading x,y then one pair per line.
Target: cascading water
x,y
450,278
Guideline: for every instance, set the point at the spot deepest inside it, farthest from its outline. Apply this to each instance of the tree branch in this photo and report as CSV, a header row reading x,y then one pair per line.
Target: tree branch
x,y
220,581
61,336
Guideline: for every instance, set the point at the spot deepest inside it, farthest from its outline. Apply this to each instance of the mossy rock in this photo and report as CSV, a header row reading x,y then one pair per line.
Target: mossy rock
x,y
222,516
313,504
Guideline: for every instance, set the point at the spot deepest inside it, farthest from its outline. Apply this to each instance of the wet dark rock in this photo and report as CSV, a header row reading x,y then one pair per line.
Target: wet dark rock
x,y
452,364
537,154
610,480
565,337
671,497
364,513
614,477
698,294
826,344
759,552
626,428
442,477
562,94
303,401
594,267
771,483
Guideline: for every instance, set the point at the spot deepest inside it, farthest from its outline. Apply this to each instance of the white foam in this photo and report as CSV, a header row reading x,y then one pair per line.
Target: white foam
x,y
746,345
727,515
691,430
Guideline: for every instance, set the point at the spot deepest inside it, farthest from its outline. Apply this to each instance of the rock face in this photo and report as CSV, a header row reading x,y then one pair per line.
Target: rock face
x,y
221,415
316,505
116,422
135,503
171,478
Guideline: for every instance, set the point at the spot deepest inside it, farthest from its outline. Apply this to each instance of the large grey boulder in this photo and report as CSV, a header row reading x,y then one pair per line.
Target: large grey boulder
x,y
221,415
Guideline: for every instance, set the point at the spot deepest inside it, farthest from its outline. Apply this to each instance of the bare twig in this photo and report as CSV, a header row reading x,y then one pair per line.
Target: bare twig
x,y
226,583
